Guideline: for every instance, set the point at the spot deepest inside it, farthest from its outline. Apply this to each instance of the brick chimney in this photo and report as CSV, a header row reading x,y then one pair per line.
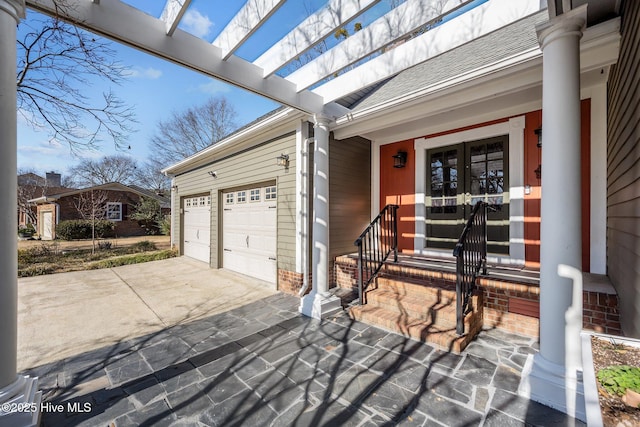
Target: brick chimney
x,y
53,179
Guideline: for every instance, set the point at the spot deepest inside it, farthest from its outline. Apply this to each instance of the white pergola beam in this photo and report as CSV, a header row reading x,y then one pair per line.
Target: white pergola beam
x,y
127,25
252,15
397,23
311,31
477,22
173,12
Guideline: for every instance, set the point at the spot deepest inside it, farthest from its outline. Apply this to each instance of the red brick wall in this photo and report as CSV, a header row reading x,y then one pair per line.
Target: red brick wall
x,y
601,313
501,299
289,282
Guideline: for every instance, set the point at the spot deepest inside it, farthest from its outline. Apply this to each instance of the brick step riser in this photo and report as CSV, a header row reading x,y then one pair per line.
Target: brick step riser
x,y
414,289
401,323
423,332
444,314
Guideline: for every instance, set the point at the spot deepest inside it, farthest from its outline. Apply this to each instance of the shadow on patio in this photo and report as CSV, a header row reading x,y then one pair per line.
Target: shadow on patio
x,y
264,364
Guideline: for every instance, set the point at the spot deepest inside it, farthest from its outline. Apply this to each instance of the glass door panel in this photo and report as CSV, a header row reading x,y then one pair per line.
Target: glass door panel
x,y
457,178
445,212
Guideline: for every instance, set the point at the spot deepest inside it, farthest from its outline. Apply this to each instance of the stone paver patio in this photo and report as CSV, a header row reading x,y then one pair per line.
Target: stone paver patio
x,y
264,364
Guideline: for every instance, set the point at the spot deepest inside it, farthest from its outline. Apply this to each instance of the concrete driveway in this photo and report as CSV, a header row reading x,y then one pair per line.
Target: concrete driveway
x,y
66,314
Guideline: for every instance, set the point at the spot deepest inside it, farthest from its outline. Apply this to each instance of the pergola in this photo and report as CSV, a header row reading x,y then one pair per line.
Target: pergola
x,y
408,34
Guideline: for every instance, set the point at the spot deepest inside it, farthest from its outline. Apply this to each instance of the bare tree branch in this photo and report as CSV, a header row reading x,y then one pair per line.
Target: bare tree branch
x,y
117,168
57,63
190,131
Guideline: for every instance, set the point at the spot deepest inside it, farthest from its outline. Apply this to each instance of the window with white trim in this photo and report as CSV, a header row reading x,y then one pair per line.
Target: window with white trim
x,y
255,195
270,193
114,211
242,196
229,199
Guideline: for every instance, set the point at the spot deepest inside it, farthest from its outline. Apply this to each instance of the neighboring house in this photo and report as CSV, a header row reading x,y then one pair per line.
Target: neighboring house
x,y
117,202
30,186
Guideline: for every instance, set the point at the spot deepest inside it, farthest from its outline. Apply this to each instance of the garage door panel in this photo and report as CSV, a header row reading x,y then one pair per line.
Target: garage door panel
x,y
197,228
249,236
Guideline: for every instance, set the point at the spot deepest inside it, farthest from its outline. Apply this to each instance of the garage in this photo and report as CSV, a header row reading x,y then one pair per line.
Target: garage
x,y
249,222
197,227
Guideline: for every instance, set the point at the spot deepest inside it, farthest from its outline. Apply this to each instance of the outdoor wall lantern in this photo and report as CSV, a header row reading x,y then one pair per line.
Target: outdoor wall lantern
x,y
213,174
400,159
539,135
538,171
283,160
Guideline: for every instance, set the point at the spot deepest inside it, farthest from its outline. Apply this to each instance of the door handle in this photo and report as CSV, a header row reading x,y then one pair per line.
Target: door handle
x,y
198,234
247,240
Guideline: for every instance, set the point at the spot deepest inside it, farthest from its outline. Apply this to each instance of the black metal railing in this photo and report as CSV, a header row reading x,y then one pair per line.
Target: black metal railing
x,y
375,244
471,257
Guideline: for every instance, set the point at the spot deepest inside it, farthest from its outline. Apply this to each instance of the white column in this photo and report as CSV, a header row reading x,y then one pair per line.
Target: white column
x,y
13,388
553,377
319,302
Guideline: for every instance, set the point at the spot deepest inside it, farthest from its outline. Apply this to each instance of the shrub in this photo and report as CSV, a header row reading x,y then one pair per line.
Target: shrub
x,y
104,245
147,213
165,225
37,270
144,246
26,230
81,229
45,251
132,259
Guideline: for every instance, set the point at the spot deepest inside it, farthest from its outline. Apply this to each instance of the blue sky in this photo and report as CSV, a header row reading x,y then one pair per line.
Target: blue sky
x,y
155,87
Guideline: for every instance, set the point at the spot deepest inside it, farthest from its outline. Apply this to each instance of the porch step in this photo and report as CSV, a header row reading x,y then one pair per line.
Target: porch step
x,y
421,309
440,291
444,337
441,311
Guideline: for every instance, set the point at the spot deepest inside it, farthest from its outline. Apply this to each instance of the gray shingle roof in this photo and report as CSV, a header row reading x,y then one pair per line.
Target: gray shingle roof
x,y
485,50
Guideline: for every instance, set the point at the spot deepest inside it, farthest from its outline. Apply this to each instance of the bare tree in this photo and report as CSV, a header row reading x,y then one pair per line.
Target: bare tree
x,y
55,64
116,168
92,206
149,176
190,131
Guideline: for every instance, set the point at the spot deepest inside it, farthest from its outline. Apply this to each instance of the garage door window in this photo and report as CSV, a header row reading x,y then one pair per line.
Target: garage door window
x,y
270,193
242,196
255,195
229,199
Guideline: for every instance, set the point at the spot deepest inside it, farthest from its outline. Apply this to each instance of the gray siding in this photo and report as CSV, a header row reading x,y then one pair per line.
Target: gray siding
x,y
623,173
251,167
349,193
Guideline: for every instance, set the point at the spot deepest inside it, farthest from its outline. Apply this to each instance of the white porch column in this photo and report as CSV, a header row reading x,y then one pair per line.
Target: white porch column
x,y
553,377
13,388
319,302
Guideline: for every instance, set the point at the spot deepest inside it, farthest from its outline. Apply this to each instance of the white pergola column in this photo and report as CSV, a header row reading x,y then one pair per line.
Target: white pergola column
x,y
319,302
13,388
553,376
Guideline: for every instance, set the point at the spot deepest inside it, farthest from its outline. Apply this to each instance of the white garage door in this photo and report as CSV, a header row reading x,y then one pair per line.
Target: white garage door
x,y
197,227
249,240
